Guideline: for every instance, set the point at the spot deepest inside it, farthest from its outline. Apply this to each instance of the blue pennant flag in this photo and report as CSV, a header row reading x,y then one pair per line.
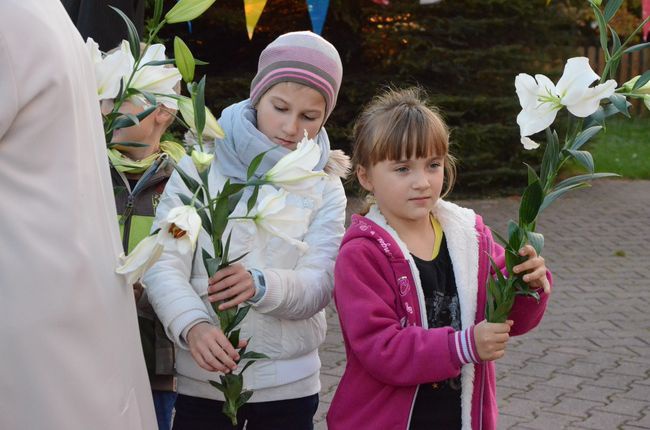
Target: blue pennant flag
x,y
317,13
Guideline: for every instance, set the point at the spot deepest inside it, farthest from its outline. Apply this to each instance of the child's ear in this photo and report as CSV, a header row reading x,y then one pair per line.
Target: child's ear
x,y
364,179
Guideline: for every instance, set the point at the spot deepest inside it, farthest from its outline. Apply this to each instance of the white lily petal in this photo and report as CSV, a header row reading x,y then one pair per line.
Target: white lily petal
x,y
529,143
140,259
273,215
589,102
546,87
109,74
155,52
577,74
526,88
294,171
646,101
93,50
180,229
536,120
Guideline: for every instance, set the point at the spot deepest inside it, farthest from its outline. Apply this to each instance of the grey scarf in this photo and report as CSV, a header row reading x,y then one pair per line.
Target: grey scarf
x,y
243,142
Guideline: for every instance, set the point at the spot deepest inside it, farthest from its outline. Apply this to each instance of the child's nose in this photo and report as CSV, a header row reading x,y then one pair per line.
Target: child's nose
x,y
420,180
290,127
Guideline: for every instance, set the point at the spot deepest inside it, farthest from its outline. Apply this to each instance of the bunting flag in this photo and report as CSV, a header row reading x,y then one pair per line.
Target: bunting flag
x,y
644,14
317,13
253,10
429,1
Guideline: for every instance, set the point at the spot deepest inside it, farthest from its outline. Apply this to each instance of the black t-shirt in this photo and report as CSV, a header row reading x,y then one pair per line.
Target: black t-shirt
x,y
437,404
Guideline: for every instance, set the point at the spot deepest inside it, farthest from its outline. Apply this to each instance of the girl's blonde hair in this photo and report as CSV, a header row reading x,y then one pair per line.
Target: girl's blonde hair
x,y
397,124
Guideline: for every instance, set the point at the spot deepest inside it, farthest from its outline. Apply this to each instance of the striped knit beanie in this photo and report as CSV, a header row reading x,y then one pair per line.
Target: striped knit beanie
x,y
302,57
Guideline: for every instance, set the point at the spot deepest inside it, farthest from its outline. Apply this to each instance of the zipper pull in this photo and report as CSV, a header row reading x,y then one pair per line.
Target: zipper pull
x,y
128,209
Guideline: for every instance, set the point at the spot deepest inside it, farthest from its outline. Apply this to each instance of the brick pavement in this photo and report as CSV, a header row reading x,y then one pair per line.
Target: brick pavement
x,y
587,366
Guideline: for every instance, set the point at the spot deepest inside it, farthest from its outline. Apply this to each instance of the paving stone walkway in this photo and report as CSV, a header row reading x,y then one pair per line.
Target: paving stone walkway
x,y
587,366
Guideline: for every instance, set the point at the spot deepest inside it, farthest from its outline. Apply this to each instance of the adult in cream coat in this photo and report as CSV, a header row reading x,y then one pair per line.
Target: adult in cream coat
x,y
70,354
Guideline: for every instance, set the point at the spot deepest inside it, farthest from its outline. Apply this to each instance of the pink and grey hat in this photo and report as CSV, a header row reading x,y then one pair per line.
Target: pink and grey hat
x,y
302,57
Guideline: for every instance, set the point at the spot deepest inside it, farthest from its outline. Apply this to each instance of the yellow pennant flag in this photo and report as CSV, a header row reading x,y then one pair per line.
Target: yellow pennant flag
x,y
253,10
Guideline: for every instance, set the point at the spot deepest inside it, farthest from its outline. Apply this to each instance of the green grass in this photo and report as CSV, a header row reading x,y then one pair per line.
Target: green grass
x,y
623,148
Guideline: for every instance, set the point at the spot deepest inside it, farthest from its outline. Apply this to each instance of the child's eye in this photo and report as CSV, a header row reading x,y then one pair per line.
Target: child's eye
x,y
280,109
309,118
435,165
401,169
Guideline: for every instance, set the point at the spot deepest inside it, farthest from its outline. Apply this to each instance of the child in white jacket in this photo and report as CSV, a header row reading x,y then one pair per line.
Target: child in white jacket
x,y
288,283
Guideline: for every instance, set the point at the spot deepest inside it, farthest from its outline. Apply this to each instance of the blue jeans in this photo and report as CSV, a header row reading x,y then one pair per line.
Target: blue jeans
x,y
163,403
195,413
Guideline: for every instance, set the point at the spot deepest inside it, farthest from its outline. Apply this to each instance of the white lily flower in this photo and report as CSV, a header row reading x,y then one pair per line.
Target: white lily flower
x,y
201,160
212,128
274,216
180,229
140,259
294,172
155,79
109,69
529,143
646,101
540,99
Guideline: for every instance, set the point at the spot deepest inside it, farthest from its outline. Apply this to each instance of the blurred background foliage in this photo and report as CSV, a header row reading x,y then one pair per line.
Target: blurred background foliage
x,y
464,53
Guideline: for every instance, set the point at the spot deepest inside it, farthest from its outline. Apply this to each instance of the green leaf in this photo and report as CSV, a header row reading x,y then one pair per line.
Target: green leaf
x,y
234,338
549,161
598,117
530,203
536,240
621,103
129,144
200,63
500,278
237,259
239,317
198,101
157,11
184,59
157,63
190,183
551,197
616,43
243,398
252,199
216,385
611,8
129,120
602,29
211,264
251,355
255,164
643,79
584,158
187,10
500,238
220,218
584,136
133,37
581,178
638,47
225,318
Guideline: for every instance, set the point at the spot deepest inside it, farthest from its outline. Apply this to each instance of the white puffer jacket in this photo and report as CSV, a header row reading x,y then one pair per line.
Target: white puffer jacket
x,y
288,323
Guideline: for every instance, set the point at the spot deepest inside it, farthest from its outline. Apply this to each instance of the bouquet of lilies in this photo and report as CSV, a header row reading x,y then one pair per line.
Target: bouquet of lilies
x,y
588,106
141,74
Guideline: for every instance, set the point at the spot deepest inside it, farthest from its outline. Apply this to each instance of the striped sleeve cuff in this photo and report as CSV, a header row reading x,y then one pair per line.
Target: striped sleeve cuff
x,y
464,347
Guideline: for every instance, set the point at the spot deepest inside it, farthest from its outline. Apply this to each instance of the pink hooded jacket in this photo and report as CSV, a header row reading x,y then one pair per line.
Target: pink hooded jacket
x,y
381,308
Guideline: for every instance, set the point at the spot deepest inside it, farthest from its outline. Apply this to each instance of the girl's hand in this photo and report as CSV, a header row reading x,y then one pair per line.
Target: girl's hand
x,y
234,284
491,339
211,349
535,269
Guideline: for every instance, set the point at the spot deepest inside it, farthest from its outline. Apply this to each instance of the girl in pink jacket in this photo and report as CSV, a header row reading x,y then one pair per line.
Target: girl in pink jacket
x,y
410,285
